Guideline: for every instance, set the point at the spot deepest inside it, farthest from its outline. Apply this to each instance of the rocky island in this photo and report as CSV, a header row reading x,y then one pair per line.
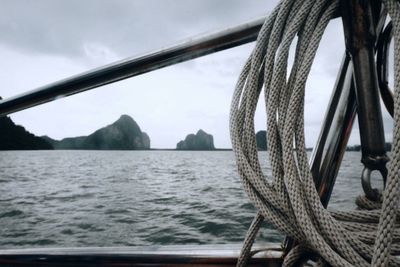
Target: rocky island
x,y
123,134
15,137
199,141
261,138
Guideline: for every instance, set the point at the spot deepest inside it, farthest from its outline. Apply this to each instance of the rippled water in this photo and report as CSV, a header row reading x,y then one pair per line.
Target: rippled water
x,y
132,198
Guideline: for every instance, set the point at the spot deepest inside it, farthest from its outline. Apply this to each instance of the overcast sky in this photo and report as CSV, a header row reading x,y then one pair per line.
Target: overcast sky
x,y
46,40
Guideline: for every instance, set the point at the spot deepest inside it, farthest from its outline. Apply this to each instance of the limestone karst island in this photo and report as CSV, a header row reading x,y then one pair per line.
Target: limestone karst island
x,y
123,134
199,141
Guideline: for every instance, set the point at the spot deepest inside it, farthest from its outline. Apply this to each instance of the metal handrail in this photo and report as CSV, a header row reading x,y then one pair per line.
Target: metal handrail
x,y
193,48
186,255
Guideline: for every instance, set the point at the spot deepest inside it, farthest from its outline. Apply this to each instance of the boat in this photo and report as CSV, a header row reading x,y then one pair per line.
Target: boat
x,y
350,97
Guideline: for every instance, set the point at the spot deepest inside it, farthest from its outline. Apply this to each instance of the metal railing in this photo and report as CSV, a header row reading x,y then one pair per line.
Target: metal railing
x,y
131,67
190,255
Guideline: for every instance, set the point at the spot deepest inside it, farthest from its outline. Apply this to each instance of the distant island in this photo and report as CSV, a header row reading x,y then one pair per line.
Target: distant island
x,y
123,134
261,138
388,147
15,137
199,141
357,148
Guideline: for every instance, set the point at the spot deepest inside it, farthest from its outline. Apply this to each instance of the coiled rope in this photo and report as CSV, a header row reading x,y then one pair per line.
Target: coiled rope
x,y
289,199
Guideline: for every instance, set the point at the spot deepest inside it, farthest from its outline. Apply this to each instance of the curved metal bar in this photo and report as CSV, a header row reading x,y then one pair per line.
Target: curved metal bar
x,y
117,71
382,66
372,193
184,256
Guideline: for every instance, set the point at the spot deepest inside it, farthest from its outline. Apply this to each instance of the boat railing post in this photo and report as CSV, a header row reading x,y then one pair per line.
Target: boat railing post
x,y
360,35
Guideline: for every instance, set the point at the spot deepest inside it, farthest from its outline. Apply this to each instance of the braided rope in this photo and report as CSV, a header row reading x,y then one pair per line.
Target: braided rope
x,y
290,201
391,195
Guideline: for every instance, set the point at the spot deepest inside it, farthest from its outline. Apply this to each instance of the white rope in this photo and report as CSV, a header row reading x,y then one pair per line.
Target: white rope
x,y
289,199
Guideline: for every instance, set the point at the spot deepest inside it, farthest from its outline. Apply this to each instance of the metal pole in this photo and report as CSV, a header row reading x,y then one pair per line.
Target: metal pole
x,y
360,33
328,153
114,72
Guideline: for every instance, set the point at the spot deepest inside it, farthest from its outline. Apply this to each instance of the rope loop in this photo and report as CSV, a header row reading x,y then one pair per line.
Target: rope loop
x,y
288,200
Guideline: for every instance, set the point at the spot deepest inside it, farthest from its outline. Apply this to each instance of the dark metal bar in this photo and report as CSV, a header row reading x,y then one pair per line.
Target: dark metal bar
x,y
336,129
382,66
360,33
191,49
214,255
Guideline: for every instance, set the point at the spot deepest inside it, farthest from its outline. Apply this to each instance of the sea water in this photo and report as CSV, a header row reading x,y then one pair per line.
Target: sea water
x,y
135,198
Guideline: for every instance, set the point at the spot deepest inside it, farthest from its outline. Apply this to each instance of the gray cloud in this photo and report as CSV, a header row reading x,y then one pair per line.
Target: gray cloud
x,y
124,26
